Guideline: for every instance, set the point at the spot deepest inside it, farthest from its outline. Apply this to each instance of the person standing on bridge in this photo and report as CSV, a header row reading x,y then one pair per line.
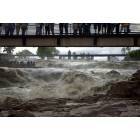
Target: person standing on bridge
x,y
104,28
80,27
86,28
75,28
24,28
47,28
95,27
52,28
39,27
61,25
11,28
117,27
66,28
18,27
6,29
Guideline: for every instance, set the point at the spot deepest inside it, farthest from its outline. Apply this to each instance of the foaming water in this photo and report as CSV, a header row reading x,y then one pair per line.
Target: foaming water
x,y
67,79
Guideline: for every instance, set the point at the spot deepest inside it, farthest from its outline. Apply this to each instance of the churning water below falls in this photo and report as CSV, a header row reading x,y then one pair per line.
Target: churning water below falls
x,y
60,82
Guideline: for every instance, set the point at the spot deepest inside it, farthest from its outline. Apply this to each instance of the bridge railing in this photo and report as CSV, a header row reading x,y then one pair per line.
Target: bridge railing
x,y
31,30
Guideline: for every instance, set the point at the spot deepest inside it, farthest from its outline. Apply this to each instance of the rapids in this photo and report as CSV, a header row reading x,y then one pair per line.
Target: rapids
x,y
63,79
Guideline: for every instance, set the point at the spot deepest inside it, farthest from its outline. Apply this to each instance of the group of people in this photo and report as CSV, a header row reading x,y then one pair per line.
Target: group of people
x,y
83,28
9,28
100,28
66,28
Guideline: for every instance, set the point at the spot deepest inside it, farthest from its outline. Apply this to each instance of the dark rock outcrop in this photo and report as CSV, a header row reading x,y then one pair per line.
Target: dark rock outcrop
x,y
113,73
127,89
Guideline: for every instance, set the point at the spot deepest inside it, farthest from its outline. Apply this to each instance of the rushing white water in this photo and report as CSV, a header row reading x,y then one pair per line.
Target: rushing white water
x,y
67,79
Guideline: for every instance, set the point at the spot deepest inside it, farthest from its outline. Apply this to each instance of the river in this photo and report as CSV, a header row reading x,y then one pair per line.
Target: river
x,y
63,79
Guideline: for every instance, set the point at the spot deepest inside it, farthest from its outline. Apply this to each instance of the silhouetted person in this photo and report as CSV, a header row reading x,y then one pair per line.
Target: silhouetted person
x,y
7,29
47,28
117,26
95,27
24,28
39,27
104,28
52,28
61,25
99,27
69,54
128,28
80,27
108,28
66,28
112,27
11,28
18,27
86,28
75,28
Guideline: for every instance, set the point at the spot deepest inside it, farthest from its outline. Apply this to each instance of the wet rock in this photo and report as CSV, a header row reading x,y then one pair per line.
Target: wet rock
x,y
136,76
113,73
126,89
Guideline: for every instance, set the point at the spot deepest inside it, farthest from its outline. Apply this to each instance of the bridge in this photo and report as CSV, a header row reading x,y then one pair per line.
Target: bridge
x,y
75,56
69,39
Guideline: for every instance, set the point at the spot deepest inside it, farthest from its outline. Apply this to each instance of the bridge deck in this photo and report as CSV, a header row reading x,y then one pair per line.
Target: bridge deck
x,y
93,40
